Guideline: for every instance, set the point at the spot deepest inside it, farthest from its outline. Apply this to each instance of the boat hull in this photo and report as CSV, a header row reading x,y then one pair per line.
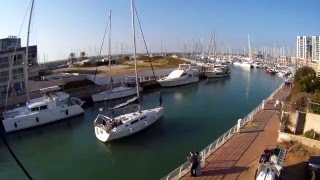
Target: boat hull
x,y
178,82
113,94
215,75
40,118
152,115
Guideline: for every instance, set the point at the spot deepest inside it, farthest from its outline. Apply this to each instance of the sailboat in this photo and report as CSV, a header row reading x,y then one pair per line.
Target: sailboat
x,y
49,108
128,88
247,63
108,128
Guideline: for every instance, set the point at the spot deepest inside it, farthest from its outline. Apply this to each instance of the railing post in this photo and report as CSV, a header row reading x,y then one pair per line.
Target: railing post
x,y
203,157
239,125
180,172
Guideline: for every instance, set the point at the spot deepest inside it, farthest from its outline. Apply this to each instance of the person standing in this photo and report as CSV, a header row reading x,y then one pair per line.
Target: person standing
x,y
198,171
194,164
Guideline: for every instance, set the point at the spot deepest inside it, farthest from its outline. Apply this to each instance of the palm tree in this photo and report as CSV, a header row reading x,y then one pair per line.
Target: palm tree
x,y
82,55
72,57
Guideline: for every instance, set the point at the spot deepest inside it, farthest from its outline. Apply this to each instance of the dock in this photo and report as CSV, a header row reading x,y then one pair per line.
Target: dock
x,y
231,153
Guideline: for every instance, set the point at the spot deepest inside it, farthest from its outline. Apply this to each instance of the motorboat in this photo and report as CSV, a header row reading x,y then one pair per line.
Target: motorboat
x,y
246,64
181,76
217,72
43,110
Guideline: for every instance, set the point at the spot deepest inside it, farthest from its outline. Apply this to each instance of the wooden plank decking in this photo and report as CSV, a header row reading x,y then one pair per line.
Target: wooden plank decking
x,y
232,158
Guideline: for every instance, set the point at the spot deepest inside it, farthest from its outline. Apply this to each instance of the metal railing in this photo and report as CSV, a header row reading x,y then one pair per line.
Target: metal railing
x,y
211,148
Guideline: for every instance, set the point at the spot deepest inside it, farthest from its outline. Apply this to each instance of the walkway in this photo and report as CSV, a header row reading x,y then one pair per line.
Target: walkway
x,y
233,157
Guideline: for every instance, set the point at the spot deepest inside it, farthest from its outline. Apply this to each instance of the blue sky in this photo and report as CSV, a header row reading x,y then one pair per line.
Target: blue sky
x,y
62,26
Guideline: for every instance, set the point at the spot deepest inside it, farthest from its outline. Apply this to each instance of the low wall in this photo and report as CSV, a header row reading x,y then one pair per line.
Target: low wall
x,y
312,122
285,137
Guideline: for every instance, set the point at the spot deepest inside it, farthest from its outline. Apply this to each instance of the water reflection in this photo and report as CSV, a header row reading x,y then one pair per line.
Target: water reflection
x,y
221,81
53,131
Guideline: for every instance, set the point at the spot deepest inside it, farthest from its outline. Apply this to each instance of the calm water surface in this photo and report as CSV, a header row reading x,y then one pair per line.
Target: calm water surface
x,y
195,115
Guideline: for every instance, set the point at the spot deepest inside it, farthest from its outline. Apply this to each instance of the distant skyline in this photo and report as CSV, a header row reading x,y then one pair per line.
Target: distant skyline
x,y
60,27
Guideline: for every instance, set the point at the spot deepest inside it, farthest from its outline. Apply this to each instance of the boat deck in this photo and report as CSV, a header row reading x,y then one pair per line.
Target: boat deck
x,y
233,157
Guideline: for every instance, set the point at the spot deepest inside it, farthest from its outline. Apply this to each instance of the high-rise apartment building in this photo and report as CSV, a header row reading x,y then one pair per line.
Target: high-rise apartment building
x,y
303,47
315,54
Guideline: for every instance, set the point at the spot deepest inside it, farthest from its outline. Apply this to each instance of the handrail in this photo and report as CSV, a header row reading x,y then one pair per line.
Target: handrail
x,y
211,148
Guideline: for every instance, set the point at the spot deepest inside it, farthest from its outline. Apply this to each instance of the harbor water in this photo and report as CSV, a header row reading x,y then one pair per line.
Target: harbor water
x,y
195,115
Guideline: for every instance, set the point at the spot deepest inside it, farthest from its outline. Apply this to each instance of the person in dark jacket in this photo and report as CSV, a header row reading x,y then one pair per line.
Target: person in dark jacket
x,y
194,163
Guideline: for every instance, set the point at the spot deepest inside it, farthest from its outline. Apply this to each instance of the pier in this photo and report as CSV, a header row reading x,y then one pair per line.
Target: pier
x,y
229,155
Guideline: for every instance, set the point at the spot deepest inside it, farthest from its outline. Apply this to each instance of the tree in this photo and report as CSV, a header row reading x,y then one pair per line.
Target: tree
x,y
72,58
303,72
306,84
82,55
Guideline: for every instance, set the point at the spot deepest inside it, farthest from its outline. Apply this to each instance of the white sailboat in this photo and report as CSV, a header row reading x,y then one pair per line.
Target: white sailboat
x,y
108,128
247,63
181,76
49,108
125,90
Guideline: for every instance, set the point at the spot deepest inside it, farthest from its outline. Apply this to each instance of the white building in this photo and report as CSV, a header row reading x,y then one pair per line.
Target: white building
x,y
315,53
303,47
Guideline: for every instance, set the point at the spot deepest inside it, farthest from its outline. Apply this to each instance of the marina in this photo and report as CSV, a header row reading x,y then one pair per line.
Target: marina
x,y
51,150
162,97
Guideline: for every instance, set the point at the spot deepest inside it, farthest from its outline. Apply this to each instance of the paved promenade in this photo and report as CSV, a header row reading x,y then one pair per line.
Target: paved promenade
x,y
233,157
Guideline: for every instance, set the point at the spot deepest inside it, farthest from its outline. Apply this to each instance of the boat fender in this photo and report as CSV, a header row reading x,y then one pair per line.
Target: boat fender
x,y
15,125
67,112
130,130
37,119
146,123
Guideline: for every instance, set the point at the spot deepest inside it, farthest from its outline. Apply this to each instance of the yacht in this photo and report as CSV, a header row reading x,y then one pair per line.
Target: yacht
x,y
181,76
43,110
49,108
108,128
236,63
126,89
217,71
246,64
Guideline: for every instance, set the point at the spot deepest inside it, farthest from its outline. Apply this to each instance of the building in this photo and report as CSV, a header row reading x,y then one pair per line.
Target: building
x,y
315,54
303,47
7,55
10,43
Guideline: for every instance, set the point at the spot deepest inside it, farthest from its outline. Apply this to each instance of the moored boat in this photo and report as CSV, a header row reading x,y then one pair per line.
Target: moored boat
x,y
43,110
108,128
181,76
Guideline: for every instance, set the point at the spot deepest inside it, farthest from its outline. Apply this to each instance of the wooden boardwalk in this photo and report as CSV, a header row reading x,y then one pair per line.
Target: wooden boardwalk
x,y
233,157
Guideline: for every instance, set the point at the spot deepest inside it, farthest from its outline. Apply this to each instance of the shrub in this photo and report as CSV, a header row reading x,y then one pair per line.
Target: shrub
x,y
312,134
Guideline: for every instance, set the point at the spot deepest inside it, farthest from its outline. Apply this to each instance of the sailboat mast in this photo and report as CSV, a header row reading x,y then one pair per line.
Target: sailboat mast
x,y
109,50
249,48
26,64
135,49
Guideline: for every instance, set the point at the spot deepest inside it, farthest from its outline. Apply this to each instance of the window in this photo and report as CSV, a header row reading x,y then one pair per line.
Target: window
x,y
35,109
19,57
142,118
43,107
135,121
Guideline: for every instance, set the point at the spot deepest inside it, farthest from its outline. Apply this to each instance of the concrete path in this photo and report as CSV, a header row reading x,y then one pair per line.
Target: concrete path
x,y
233,157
